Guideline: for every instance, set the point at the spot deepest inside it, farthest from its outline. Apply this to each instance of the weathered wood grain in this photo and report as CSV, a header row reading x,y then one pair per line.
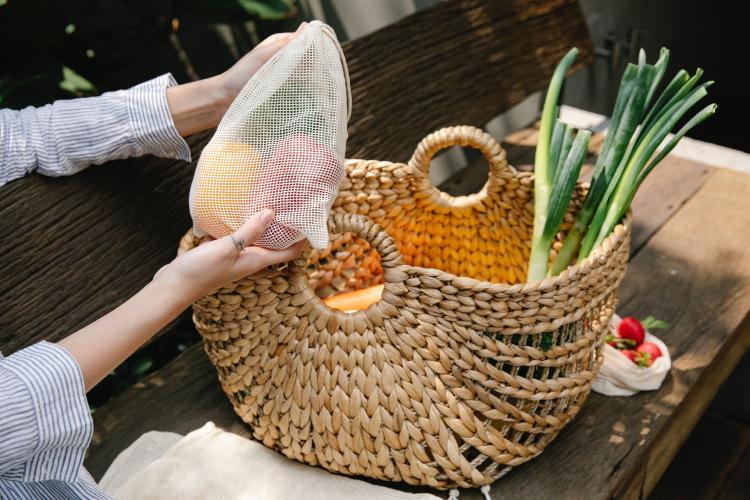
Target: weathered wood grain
x,y
185,393
74,248
694,273
691,475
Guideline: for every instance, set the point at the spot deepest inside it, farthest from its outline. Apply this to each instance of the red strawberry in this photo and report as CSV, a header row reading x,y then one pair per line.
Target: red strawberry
x,y
619,343
631,328
630,354
650,349
642,360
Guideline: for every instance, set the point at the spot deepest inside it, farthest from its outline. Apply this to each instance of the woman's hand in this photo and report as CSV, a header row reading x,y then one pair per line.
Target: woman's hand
x,y
198,106
101,346
217,263
236,77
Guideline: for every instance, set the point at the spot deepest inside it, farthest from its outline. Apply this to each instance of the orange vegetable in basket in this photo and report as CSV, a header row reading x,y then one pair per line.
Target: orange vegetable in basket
x,y
357,300
226,176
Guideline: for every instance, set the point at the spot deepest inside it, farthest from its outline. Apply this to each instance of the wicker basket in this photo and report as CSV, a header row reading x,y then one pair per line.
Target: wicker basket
x,y
460,372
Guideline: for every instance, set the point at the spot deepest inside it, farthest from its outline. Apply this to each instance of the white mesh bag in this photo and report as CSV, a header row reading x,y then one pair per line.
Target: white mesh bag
x,y
280,145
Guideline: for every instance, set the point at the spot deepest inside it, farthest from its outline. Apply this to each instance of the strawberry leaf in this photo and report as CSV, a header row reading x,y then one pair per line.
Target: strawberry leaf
x,y
651,323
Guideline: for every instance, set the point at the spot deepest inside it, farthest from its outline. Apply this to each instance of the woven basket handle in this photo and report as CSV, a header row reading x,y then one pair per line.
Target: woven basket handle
x,y
390,260
463,135
372,233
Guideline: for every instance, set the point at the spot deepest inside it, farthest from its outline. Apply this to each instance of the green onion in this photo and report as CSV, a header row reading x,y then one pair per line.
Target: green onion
x,y
622,126
629,152
558,161
632,176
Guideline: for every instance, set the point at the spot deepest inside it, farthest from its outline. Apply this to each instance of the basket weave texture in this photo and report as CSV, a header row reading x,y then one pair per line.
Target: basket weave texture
x,y
460,372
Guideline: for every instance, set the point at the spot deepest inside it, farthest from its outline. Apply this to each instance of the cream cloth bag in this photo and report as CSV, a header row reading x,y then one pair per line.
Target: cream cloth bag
x,y
619,376
211,464
280,145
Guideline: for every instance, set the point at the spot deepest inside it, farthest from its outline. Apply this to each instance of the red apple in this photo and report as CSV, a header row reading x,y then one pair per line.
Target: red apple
x,y
300,178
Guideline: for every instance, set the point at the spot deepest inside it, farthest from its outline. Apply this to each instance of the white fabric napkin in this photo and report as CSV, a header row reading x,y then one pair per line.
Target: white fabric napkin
x,y
210,464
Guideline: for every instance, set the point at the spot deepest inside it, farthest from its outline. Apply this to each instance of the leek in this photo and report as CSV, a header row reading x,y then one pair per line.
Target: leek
x,y
558,161
631,148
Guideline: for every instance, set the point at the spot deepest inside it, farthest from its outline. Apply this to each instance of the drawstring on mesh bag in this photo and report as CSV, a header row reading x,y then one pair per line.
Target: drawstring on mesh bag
x,y
280,145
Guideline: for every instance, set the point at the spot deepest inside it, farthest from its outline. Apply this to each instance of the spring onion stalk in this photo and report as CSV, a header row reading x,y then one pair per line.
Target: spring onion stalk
x,y
631,149
554,144
614,159
565,183
622,126
640,166
546,151
567,155
703,115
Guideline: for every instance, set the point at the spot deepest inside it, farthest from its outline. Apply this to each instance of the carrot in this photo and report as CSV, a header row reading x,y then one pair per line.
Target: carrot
x,y
357,300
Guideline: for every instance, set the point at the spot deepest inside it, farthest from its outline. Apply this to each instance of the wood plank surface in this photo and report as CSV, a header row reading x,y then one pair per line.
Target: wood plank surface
x,y
691,474
694,273
185,394
74,248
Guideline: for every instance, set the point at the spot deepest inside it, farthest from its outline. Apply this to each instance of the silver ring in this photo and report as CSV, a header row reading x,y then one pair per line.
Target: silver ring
x,y
239,244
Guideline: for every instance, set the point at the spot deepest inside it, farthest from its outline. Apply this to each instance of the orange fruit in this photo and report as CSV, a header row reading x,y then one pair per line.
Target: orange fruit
x,y
225,179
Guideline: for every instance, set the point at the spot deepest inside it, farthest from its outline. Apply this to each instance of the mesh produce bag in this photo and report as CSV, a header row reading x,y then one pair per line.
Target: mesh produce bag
x,y
280,145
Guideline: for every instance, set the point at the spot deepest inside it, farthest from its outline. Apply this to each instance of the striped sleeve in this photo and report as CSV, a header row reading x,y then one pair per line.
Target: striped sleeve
x,y
45,423
66,136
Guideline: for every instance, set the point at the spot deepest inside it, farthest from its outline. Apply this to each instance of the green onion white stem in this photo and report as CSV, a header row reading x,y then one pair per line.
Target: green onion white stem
x,y
556,167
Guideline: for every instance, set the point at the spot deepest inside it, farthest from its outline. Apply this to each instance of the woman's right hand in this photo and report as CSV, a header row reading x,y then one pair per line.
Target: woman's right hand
x,y
233,79
217,263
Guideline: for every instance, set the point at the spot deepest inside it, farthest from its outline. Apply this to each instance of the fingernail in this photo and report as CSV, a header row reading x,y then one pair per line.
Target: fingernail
x,y
267,216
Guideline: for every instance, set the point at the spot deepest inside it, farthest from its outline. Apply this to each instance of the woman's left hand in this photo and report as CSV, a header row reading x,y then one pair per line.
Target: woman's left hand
x,y
219,262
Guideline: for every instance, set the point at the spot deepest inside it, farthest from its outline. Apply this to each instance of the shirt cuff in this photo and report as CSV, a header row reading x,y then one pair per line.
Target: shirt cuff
x,y
63,420
151,121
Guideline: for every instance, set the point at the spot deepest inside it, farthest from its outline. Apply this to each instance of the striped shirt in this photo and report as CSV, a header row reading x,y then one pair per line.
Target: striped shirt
x,y
45,423
65,137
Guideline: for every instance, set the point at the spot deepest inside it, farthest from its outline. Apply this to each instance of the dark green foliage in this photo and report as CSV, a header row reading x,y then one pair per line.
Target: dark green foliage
x,y
60,49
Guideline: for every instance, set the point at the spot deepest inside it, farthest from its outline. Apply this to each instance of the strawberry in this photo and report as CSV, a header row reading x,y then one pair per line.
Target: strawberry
x,y
650,349
651,323
630,354
630,328
642,360
619,343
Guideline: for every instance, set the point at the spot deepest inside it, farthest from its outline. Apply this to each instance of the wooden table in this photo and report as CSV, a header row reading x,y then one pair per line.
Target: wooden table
x,y
690,266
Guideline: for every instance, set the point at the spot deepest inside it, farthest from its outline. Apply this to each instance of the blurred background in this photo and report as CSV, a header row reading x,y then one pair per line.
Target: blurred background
x,y
52,49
